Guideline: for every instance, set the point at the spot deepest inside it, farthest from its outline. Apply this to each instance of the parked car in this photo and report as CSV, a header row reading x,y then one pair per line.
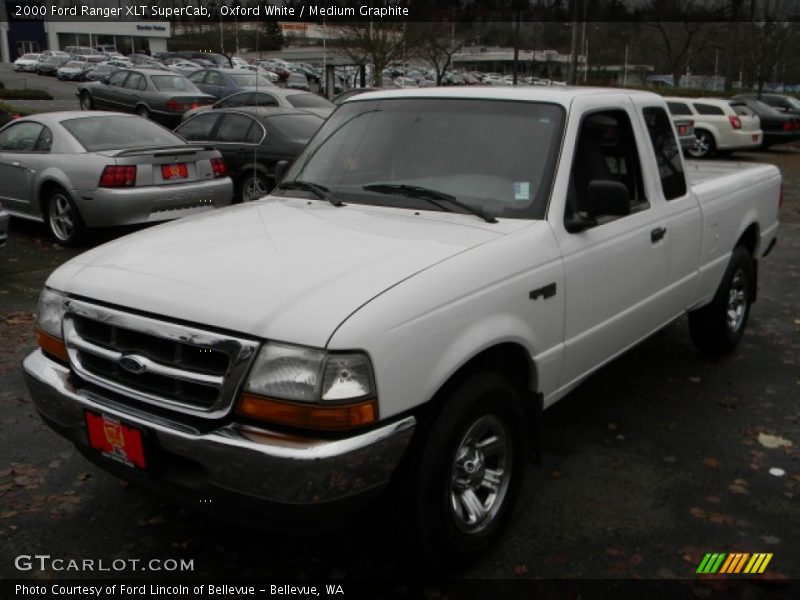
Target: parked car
x,y
402,309
782,102
77,170
183,66
717,127
51,64
779,126
161,95
297,81
4,218
91,54
7,117
273,96
100,72
273,77
685,129
27,62
224,82
252,140
74,70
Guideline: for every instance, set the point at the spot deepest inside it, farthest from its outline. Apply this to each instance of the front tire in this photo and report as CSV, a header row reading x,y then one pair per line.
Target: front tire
x,y
718,327
464,471
704,145
63,220
143,111
86,101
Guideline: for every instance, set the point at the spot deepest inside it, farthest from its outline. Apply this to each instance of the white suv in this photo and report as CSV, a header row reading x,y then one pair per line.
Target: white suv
x,y
717,127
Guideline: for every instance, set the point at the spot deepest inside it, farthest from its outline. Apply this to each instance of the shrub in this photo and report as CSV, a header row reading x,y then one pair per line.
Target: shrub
x,y
24,94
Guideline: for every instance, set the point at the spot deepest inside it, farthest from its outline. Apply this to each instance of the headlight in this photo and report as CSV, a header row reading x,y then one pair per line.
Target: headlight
x,y
310,388
49,317
50,312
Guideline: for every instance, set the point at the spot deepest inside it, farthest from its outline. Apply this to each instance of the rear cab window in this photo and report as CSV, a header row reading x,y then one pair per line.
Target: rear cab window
x,y
667,151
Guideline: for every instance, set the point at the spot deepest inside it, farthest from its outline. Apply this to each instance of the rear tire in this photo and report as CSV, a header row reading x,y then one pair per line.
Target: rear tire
x,y
86,101
704,145
63,219
464,471
254,187
718,327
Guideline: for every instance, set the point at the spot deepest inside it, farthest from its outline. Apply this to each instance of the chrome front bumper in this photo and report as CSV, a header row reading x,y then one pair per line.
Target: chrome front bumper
x,y
244,461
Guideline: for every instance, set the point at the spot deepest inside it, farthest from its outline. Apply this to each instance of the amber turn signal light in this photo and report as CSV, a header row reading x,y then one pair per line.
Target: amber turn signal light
x,y
52,345
337,417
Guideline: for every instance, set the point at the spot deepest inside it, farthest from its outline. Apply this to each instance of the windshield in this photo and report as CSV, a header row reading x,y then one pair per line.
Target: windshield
x,y
173,83
793,102
494,155
250,79
119,132
309,101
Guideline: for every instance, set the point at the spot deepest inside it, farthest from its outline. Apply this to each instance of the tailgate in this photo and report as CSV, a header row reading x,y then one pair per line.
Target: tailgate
x,y
750,123
169,166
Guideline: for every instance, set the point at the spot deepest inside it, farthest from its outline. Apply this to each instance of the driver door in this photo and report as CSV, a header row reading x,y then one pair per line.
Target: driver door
x,y
615,270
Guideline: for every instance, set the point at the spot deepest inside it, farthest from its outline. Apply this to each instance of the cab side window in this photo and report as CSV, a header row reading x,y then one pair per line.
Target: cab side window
x,y
606,151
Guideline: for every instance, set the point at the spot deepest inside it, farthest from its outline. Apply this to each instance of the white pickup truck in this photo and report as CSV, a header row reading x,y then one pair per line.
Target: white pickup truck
x,y
436,268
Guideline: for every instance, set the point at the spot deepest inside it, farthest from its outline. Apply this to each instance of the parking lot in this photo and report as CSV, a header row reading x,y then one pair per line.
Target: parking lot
x,y
660,457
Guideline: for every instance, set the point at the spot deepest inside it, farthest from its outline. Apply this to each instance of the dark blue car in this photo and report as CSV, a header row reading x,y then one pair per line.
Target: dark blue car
x,y
221,83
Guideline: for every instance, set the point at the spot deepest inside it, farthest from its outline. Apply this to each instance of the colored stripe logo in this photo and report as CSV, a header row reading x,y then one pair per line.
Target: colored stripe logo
x,y
734,563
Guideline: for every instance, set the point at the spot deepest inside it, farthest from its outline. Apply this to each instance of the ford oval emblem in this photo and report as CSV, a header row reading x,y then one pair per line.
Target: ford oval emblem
x,y
133,364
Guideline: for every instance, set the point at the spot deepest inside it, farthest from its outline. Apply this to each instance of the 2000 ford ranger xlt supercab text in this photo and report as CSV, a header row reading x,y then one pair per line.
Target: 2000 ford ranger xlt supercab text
x,y
436,268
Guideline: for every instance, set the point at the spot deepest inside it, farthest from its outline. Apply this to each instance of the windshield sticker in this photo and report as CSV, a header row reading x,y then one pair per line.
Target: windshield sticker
x,y
522,191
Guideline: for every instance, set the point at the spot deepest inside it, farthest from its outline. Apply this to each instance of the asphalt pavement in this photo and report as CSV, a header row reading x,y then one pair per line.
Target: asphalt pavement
x,y
662,456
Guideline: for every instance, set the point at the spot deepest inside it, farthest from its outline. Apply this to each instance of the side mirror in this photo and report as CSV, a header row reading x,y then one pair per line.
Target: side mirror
x,y
608,198
105,79
280,170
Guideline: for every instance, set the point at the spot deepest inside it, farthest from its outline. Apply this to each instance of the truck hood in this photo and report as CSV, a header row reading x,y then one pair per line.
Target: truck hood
x,y
282,269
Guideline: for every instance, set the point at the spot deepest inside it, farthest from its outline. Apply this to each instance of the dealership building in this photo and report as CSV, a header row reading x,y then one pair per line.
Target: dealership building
x,y
20,35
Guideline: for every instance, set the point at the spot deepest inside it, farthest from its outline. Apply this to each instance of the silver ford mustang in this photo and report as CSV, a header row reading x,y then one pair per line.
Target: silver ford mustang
x,y
75,170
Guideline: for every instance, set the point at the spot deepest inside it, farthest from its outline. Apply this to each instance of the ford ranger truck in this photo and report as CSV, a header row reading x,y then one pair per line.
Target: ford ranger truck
x,y
436,268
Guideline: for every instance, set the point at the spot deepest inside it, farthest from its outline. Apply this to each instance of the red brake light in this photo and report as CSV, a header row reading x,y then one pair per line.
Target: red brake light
x,y
219,167
736,123
173,104
114,176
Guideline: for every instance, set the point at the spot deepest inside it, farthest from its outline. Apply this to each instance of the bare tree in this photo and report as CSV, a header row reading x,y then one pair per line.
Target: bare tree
x,y
679,38
436,43
769,38
377,44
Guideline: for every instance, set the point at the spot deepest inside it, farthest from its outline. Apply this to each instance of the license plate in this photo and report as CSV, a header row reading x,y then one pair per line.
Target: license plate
x,y
176,171
755,137
115,440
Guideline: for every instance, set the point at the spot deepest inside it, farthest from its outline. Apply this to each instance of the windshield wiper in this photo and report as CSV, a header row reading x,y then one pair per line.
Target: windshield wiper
x,y
319,190
432,196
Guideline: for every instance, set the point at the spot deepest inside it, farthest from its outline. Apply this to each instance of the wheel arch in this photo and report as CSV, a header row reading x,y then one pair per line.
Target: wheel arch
x,y
46,187
749,240
510,359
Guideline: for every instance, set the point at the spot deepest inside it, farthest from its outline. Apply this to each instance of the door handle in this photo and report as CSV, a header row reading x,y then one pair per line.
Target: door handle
x,y
657,234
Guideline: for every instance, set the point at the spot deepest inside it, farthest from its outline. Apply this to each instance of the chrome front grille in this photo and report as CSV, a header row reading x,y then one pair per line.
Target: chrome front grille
x,y
158,362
